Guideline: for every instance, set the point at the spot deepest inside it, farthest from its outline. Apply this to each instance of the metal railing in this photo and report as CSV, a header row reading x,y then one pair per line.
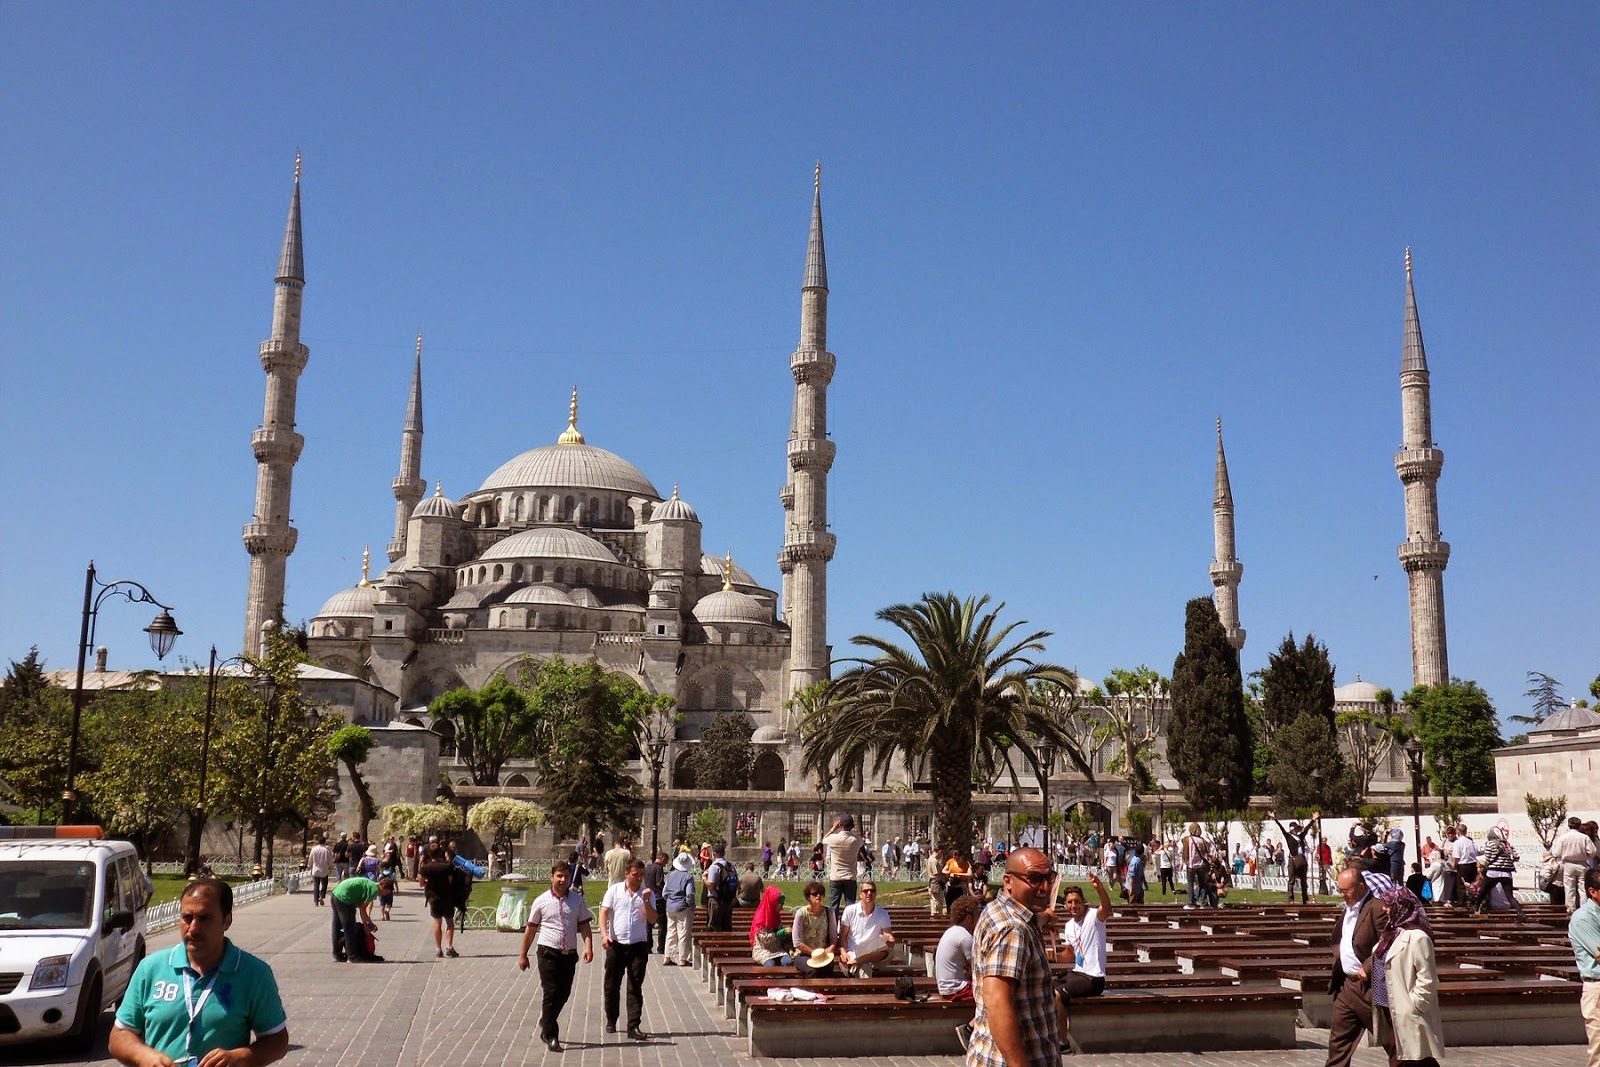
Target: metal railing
x,y
164,916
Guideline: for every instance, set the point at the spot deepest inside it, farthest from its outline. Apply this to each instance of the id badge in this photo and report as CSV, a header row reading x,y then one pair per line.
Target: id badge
x,y
187,1061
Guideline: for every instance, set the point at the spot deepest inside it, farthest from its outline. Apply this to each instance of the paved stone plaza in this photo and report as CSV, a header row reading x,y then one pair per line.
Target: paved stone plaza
x,y
479,1011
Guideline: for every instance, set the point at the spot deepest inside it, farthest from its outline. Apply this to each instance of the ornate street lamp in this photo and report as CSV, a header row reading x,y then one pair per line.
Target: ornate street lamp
x,y
658,753
1047,764
824,787
1322,870
163,632
1413,750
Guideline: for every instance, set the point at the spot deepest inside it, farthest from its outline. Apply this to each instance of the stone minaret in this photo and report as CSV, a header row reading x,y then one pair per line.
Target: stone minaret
x,y
807,543
268,537
1424,554
1226,570
408,484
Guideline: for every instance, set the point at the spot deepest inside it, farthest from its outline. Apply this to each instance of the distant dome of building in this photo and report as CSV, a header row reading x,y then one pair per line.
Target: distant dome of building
x,y
675,508
540,594
355,602
732,606
767,735
436,506
1570,718
552,542
1356,692
716,567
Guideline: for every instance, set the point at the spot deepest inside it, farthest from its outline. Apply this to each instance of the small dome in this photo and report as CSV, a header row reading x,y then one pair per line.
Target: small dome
x,y
674,509
767,735
1356,692
1570,718
466,597
540,594
353,603
732,606
436,506
550,542
715,567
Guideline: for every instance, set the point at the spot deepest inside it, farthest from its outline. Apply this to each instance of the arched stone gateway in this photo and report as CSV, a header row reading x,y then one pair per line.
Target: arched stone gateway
x,y
767,774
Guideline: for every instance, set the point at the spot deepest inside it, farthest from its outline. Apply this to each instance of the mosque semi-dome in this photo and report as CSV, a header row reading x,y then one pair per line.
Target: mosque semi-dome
x,y
717,567
768,735
731,606
353,603
540,594
553,542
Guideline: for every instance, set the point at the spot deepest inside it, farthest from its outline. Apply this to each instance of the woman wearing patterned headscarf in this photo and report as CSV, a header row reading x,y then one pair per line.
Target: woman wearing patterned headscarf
x,y
1405,983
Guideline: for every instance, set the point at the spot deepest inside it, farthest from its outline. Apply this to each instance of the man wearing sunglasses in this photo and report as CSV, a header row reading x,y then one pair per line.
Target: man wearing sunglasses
x,y
1015,1022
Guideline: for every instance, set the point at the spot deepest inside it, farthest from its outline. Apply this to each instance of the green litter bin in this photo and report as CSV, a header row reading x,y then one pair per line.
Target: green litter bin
x,y
512,913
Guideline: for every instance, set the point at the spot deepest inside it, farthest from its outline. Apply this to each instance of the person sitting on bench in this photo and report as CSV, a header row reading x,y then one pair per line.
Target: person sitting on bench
x,y
1084,935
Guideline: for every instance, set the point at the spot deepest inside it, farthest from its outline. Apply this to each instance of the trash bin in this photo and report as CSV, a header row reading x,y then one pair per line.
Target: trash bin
x,y
512,913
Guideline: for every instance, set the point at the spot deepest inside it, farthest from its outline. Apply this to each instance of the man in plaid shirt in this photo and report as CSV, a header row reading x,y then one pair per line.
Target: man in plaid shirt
x,y
1016,1019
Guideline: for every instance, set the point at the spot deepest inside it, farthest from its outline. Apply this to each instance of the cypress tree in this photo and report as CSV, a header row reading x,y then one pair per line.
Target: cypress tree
x,y
1298,681
1208,739
1297,709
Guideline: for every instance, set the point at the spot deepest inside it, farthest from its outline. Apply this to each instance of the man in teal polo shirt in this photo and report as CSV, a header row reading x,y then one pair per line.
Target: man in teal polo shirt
x,y
197,1004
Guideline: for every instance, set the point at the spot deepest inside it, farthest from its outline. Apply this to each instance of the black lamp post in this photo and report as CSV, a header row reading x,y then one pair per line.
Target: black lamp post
x,y
1413,750
163,632
1047,763
269,723
658,753
1322,870
197,818
824,787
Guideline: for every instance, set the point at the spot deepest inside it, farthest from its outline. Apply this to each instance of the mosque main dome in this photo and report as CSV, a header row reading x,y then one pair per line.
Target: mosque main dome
x,y
570,466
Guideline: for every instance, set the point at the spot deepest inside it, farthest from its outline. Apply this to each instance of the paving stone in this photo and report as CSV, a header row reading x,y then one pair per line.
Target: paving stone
x,y
480,1011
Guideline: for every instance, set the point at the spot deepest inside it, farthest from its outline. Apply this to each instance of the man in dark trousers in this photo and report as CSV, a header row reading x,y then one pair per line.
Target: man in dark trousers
x,y
719,902
1294,838
1351,986
655,879
556,921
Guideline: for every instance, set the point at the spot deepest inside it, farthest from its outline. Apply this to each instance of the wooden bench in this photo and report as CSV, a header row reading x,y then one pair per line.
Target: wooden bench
x,y
1511,1011
855,1025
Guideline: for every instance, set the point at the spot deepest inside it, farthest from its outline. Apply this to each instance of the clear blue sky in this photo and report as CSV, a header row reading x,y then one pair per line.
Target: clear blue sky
x,y
1062,240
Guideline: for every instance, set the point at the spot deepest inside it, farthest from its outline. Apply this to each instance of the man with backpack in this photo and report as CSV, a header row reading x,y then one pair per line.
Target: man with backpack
x,y
722,886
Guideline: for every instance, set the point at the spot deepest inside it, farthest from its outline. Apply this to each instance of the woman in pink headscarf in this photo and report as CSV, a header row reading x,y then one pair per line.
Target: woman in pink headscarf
x,y
1405,983
767,943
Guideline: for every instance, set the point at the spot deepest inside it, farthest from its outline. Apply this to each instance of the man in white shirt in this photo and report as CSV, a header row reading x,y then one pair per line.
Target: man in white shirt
x,y
1083,936
626,915
1576,854
843,846
557,919
952,961
864,933
320,863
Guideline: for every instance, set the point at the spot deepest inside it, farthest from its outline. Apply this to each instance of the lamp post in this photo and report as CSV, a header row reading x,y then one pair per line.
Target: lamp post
x,y
197,818
824,787
658,753
163,632
1413,750
1322,870
1047,763
269,717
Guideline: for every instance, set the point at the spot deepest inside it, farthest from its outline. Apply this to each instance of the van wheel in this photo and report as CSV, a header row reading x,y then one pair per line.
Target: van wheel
x,y
87,1025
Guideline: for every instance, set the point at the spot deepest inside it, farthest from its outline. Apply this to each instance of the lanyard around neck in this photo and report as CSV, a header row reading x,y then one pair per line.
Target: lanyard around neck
x,y
195,1007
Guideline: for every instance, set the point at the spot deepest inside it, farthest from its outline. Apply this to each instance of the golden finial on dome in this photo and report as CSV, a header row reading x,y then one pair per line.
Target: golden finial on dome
x,y
571,436
366,565
727,573
438,489
674,490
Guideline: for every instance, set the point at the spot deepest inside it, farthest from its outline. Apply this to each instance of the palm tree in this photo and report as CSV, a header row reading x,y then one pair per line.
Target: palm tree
x,y
965,697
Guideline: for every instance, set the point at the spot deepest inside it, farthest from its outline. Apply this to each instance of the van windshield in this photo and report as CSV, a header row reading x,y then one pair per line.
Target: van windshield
x,y
46,894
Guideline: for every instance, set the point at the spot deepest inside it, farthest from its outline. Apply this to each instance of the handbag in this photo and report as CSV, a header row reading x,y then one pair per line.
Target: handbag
x,y
906,989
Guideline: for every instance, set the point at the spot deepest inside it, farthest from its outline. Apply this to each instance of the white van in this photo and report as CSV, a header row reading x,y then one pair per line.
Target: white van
x,y
72,915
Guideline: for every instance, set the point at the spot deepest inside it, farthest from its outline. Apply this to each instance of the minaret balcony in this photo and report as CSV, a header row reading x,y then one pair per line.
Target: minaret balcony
x,y
278,355
396,549
801,545
408,489
1413,464
812,365
814,453
272,445
786,497
1226,572
263,538
1424,555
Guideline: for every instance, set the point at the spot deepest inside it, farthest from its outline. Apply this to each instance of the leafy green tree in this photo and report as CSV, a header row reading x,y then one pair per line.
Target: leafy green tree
x,y
351,745
493,725
724,756
966,695
1138,821
1457,719
1208,742
148,762
499,819
36,722
1547,814
591,722
1132,724
271,745
707,824
1252,823
1547,698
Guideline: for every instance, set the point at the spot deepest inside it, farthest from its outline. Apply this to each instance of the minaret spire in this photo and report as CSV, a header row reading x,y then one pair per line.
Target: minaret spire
x,y
808,545
1226,570
408,484
1425,554
268,537
571,436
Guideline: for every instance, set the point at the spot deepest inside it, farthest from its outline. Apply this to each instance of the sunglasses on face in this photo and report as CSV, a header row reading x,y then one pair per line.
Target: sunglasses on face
x,y
1033,878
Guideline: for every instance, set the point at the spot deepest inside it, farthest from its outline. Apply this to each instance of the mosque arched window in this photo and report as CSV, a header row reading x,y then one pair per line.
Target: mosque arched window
x,y
594,506
578,579
516,509
561,575
567,507
516,572
505,618
499,571
722,698
538,574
